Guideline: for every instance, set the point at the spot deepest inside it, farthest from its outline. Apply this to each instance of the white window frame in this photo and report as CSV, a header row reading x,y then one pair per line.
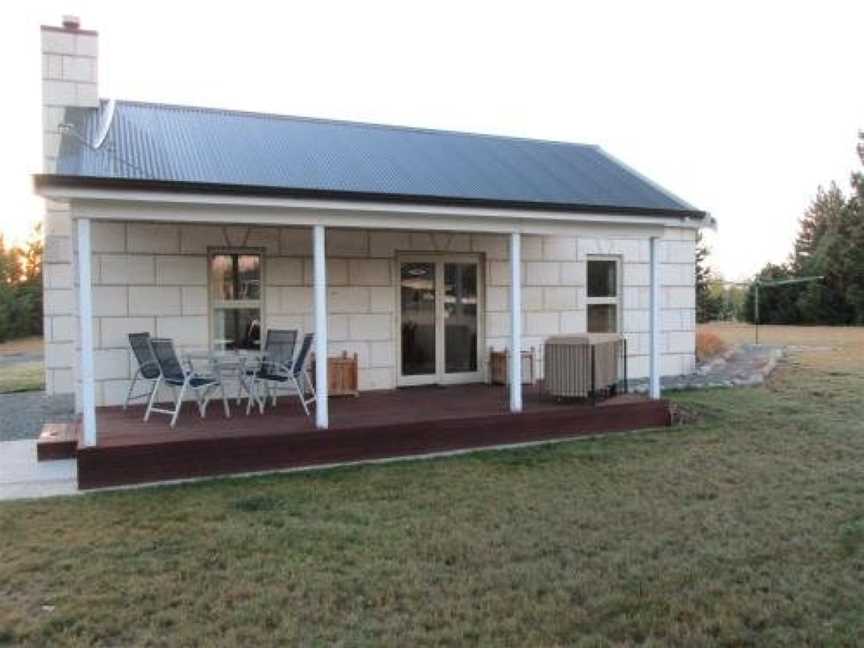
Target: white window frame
x,y
234,304
440,376
617,300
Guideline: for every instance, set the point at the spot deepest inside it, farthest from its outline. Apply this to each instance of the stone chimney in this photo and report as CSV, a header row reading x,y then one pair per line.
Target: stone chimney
x,y
69,79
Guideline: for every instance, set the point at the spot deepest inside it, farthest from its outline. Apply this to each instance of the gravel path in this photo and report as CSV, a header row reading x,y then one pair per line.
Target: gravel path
x,y
23,414
743,365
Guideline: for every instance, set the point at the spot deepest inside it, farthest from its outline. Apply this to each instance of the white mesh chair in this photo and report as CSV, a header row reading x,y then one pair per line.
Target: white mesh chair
x,y
174,375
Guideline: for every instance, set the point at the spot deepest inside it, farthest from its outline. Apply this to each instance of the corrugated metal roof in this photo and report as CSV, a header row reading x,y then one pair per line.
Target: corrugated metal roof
x,y
198,145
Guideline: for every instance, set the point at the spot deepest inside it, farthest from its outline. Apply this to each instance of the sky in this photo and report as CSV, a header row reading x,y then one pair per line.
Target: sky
x,y
741,108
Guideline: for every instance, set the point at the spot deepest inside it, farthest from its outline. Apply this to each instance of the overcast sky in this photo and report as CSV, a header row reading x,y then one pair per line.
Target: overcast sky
x,y
742,109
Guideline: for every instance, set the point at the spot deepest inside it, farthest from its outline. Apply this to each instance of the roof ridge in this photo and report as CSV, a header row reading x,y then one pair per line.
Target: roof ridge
x,y
350,122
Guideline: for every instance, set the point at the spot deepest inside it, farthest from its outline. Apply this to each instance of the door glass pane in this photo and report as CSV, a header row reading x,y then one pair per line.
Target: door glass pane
x,y
460,317
602,318
236,328
418,318
602,281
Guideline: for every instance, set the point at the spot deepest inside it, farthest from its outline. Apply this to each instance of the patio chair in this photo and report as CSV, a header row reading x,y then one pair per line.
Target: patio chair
x,y
276,372
172,373
279,345
148,368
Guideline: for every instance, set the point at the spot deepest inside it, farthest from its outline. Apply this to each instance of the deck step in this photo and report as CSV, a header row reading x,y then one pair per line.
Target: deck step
x,y
57,441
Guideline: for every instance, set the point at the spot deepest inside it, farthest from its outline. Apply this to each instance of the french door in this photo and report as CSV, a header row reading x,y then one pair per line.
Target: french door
x,y
440,319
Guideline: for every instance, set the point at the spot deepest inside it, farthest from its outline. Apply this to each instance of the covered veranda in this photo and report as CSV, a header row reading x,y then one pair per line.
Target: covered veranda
x,y
377,425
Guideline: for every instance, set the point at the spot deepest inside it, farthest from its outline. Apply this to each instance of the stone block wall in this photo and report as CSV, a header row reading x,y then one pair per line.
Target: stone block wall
x,y
678,302
154,278
60,322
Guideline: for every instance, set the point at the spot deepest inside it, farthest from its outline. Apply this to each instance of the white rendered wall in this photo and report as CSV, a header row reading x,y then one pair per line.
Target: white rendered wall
x,y
154,278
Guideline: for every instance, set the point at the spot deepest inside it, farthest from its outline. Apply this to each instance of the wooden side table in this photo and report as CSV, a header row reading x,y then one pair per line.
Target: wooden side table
x,y
342,375
500,375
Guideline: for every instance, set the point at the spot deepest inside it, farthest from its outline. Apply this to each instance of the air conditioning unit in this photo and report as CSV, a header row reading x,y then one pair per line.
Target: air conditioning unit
x,y
579,366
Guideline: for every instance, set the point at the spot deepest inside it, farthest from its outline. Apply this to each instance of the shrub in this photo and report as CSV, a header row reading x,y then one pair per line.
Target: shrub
x,y
708,345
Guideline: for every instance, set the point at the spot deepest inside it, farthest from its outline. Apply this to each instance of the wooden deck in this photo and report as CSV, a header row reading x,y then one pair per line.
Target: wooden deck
x,y
376,425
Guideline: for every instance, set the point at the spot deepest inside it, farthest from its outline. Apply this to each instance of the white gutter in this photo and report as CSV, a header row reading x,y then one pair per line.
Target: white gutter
x,y
708,222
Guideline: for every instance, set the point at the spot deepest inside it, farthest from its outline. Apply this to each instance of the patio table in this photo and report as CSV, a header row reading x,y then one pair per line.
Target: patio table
x,y
229,366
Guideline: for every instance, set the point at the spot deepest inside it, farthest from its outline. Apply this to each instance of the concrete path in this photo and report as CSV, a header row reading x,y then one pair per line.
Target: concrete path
x,y
21,476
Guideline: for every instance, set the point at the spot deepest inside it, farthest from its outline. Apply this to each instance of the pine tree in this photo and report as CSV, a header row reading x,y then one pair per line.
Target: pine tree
x,y
854,259
814,225
818,247
830,243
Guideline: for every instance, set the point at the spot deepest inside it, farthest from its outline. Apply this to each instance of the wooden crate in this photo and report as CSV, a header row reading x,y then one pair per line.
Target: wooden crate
x,y
498,373
342,375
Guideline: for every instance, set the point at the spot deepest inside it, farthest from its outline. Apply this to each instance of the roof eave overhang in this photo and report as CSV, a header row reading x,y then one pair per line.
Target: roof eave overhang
x,y
118,190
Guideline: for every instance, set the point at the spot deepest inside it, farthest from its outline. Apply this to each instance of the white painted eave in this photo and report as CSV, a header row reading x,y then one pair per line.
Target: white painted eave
x,y
166,206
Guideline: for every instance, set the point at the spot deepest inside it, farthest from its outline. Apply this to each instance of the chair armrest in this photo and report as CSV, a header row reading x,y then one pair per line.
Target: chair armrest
x,y
277,367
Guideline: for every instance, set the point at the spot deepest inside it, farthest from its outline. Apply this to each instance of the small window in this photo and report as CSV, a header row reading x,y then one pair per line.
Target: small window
x,y
602,278
602,302
235,291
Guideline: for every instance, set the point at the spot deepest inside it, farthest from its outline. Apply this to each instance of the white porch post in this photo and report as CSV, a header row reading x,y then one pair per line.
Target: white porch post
x,y
654,370
85,319
515,366
320,299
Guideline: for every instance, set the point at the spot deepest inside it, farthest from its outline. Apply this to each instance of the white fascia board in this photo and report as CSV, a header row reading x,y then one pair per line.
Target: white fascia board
x,y
265,210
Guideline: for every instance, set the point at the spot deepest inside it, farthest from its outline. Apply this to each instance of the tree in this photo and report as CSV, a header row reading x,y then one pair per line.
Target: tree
x,y
852,264
8,275
820,243
30,288
708,303
817,221
729,299
777,305
830,243
21,288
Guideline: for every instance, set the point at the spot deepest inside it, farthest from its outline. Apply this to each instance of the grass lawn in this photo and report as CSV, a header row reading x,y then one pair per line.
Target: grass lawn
x,y
746,527
27,376
22,376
